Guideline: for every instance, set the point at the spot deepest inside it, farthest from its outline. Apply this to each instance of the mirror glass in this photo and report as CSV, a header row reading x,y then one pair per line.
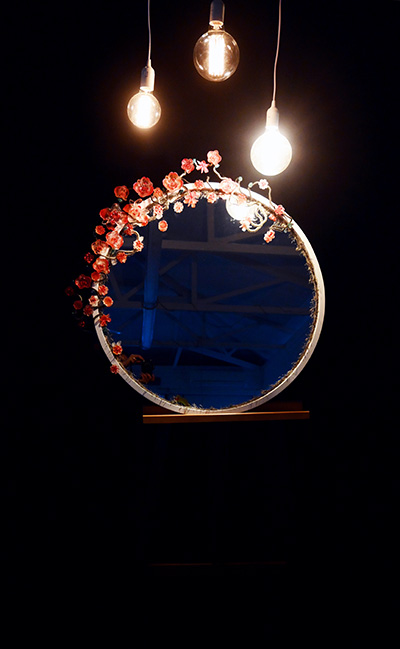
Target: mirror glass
x,y
211,317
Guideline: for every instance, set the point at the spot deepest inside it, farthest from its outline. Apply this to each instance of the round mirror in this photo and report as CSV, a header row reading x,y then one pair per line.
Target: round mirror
x,y
211,315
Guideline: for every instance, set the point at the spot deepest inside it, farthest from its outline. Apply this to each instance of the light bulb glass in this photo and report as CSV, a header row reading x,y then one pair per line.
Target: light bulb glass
x,y
238,210
271,153
216,55
144,109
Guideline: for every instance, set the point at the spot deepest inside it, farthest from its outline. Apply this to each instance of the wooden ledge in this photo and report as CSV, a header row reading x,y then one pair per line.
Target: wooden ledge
x,y
281,411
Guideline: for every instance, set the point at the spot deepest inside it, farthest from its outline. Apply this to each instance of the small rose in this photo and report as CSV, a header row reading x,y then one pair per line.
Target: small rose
x,y
102,290
122,192
83,281
143,187
163,226
108,301
101,265
212,197
78,304
114,239
99,229
263,184
228,185
187,165
172,182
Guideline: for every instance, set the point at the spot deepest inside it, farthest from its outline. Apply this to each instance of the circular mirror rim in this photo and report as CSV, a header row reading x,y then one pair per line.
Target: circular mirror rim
x,y
318,313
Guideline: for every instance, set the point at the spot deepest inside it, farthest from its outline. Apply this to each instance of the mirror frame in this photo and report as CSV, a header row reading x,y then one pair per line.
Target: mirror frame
x,y
287,224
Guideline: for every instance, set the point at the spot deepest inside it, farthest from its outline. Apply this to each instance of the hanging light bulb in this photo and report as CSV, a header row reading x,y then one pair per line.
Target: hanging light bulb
x,y
216,53
238,210
144,109
271,153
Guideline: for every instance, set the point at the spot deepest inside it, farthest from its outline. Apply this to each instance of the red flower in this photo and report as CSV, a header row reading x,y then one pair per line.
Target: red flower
x,y
94,300
121,256
104,320
95,276
187,165
133,209
114,369
108,301
199,184
78,304
89,257
103,289
88,310
83,281
101,265
172,182
105,213
163,226
158,193
214,158
143,187
122,192
99,230
117,349
100,247
69,291
114,239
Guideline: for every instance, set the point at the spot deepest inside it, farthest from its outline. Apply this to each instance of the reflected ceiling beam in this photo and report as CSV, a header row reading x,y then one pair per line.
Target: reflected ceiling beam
x,y
150,295
219,246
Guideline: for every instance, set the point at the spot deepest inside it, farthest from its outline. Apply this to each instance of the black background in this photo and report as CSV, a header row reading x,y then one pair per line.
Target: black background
x,y
89,485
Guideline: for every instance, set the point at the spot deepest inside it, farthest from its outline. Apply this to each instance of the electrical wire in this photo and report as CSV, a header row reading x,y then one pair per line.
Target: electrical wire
x,y
149,30
277,50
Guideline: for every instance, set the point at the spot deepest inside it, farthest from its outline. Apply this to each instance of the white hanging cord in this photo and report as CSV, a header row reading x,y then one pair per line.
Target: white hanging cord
x,y
277,52
149,29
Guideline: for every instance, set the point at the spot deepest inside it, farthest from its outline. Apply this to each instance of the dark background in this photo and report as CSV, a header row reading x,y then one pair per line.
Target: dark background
x,y
90,485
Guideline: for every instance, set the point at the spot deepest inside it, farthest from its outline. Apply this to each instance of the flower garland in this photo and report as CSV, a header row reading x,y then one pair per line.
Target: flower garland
x,y
127,214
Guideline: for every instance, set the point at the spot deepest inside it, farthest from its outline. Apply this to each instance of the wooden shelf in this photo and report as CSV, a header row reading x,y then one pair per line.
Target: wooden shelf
x,y
274,411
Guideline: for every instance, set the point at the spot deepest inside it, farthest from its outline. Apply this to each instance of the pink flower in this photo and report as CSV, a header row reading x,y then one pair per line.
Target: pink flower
x,y
279,210
244,224
178,207
199,184
143,187
202,166
263,183
214,158
187,165
192,198
212,197
158,211
114,239
172,182
138,245
163,226
228,185
268,236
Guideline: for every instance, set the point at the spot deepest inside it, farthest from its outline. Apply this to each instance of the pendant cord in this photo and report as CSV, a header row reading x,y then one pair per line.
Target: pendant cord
x,y
149,30
277,52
